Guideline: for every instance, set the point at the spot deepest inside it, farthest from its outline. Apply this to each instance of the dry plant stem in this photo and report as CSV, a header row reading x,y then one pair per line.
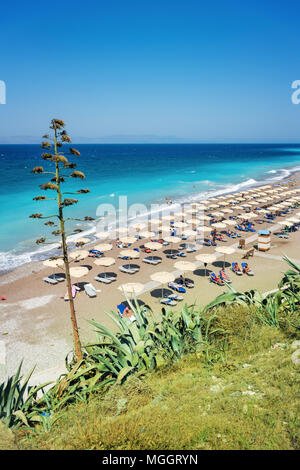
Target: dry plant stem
x,y
77,343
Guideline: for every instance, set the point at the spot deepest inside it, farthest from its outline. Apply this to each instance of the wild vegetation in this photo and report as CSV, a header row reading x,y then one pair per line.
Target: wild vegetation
x,y
117,384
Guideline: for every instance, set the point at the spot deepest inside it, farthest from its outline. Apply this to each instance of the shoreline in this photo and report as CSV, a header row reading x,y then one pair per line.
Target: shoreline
x,y
5,275
35,323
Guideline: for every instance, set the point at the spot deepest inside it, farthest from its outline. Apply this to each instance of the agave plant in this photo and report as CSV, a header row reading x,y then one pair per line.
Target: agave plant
x,y
17,400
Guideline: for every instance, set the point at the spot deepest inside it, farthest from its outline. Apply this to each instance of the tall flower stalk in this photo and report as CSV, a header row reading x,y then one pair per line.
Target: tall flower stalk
x,y
53,143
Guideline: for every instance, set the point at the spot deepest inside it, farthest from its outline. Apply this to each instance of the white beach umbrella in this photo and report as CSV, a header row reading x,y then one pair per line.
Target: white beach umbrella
x,y
138,226
188,233
78,271
206,258
229,222
130,253
103,247
225,250
172,239
104,261
102,235
285,223
219,225
147,234
53,263
217,214
180,224
79,254
163,277
128,240
185,266
227,211
132,288
154,246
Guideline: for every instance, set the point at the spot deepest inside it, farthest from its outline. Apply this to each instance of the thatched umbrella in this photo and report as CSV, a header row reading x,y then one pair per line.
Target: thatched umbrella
x,y
103,247
206,258
53,263
79,255
154,246
78,271
163,277
225,250
105,262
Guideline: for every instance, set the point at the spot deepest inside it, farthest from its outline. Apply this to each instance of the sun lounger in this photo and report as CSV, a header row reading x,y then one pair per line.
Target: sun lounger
x,y
121,308
90,290
128,270
106,279
74,292
168,302
236,271
152,261
50,281
249,272
57,277
215,279
181,254
176,287
224,278
175,297
186,283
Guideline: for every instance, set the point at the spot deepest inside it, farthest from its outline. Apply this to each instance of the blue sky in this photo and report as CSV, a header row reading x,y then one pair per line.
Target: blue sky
x,y
160,71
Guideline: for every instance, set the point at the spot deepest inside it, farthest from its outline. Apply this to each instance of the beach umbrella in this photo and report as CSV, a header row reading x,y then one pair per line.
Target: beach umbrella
x,y
102,235
53,263
79,254
147,234
130,253
103,247
203,228
217,214
286,223
163,277
185,266
180,224
228,211
252,215
139,226
188,233
168,217
153,246
155,221
132,288
229,222
128,240
225,250
180,214
78,271
104,261
219,225
172,240
206,258
204,217
213,206
293,219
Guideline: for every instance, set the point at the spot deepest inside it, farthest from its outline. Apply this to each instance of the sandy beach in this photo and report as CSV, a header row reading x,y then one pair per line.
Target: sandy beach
x,y
35,321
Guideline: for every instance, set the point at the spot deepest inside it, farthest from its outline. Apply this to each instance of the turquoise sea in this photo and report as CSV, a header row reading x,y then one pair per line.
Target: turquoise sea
x,y
145,173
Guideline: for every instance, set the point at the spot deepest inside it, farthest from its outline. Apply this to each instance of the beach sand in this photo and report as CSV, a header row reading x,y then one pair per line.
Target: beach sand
x,y
35,321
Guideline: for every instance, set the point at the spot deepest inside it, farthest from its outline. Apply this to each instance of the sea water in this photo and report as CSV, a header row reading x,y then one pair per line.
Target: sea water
x,y
145,173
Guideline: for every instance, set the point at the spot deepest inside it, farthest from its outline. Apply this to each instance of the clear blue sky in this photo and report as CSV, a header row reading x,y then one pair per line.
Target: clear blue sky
x,y
199,71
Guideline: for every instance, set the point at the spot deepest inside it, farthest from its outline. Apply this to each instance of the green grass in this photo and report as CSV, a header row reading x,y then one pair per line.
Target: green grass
x,y
193,404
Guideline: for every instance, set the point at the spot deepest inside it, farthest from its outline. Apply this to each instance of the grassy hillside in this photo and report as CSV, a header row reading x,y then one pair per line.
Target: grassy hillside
x,y
247,400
